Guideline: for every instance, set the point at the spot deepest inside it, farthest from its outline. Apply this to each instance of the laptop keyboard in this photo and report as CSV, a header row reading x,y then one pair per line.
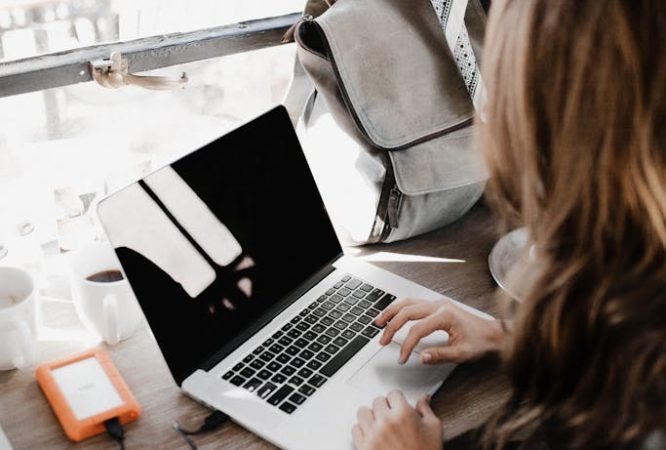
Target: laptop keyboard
x,y
299,358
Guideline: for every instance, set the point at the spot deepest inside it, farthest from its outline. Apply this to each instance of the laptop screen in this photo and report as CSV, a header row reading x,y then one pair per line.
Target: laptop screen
x,y
213,240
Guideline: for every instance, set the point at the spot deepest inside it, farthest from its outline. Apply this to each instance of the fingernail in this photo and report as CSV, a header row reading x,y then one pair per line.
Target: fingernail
x,y
427,357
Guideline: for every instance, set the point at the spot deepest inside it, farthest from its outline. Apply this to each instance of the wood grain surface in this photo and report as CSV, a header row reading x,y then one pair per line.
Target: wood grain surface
x,y
464,401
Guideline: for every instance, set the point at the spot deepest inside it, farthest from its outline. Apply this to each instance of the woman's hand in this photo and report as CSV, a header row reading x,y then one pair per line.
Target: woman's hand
x,y
392,424
470,336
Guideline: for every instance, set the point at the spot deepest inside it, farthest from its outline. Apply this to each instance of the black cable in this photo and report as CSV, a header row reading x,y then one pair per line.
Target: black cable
x,y
116,431
211,422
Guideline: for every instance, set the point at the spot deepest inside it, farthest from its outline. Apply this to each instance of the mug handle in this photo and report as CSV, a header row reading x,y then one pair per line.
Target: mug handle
x,y
23,355
111,319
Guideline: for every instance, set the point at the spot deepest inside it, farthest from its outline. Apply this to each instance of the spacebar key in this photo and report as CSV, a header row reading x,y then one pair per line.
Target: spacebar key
x,y
345,355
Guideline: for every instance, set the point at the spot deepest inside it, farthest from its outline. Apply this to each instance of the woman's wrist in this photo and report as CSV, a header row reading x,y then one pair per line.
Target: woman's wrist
x,y
495,335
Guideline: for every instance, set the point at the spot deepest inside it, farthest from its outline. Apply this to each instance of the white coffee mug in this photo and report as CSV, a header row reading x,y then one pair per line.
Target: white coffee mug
x,y
107,308
18,327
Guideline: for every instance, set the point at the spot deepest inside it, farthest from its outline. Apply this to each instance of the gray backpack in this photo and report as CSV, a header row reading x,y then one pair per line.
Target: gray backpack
x,y
387,129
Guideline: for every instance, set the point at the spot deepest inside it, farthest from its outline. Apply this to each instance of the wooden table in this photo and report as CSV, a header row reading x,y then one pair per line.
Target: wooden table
x,y
464,401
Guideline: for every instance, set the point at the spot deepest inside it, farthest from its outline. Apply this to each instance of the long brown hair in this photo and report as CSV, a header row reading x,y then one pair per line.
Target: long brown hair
x,y
575,140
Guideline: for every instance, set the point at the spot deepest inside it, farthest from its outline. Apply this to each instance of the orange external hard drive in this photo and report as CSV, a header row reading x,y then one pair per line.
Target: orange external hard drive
x,y
85,390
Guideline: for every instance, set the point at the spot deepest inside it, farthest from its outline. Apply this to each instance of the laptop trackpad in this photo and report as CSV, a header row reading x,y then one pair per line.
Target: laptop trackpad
x,y
382,373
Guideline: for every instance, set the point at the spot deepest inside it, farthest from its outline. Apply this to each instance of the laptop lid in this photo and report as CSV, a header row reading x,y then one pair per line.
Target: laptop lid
x,y
215,240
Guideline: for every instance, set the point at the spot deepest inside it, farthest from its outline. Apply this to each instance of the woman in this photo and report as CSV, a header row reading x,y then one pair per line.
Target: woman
x,y
575,140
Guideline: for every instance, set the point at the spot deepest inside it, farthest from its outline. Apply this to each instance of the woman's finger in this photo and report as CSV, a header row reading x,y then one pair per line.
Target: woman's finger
x,y
365,419
380,407
442,319
411,312
357,436
424,409
392,310
396,400
439,355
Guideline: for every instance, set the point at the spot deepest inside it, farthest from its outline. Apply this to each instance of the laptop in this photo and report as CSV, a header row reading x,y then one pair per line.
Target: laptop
x,y
257,311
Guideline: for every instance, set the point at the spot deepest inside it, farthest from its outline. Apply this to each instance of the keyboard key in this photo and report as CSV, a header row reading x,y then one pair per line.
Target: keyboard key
x,y
343,307
247,372
323,339
304,313
237,367
345,355
297,398
333,332
303,326
297,362
237,380
370,332
321,299
372,312
364,304
228,375
365,319
344,292
253,384
313,305
359,294
340,342
266,390
276,348
335,299
328,305
283,358
323,357
332,349
273,366
317,380
288,370
277,335
304,372
287,407
285,341
326,321
315,346
330,292
264,374
314,364
356,327
306,354
357,311
351,301
296,380
310,336
257,364
374,295
366,287
346,278
307,390
338,285
348,334
335,314
319,328
353,284
293,350
302,343
296,319
349,317
311,319
279,378
384,301
280,395
267,356
268,342
294,334
340,325
319,312
247,359
286,327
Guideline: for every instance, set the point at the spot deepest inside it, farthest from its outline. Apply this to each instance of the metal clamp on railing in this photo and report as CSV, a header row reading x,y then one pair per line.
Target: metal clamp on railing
x,y
114,73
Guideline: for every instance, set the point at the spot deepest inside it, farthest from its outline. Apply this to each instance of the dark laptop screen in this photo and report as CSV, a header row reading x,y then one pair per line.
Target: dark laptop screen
x,y
212,241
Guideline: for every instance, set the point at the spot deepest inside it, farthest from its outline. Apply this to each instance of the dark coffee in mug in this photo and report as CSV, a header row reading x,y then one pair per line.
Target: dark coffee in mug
x,y
106,276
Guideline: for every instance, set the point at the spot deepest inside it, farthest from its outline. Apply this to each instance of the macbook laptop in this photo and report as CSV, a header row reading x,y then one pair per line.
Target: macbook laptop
x,y
257,311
